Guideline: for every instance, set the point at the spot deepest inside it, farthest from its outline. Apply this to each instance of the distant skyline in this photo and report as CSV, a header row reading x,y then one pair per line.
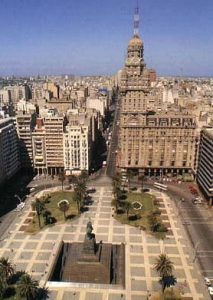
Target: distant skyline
x,y
84,37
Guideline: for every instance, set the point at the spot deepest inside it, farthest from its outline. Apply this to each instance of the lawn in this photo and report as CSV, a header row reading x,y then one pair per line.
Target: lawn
x,y
52,206
148,206
147,202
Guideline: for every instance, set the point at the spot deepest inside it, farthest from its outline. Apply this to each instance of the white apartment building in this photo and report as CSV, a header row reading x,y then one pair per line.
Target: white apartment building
x,y
9,151
77,142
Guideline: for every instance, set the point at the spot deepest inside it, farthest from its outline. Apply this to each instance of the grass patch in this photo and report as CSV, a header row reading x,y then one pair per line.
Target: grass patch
x,y
148,206
52,206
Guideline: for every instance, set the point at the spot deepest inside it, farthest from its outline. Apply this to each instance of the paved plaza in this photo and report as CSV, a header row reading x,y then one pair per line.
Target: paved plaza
x,y
36,253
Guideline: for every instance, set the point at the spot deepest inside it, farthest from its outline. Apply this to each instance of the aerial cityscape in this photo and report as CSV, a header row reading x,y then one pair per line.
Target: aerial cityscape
x,y
106,150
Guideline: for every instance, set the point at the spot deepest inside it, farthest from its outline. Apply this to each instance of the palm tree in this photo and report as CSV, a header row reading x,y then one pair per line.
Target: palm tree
x,y
77,199
27,287
46,215
127,205
153,222
63,205
6,268
39,206
62,178
83,176
130,175
167,281
164,267
72,179
142,178
6,271
81,188
117,194
116,181
3,287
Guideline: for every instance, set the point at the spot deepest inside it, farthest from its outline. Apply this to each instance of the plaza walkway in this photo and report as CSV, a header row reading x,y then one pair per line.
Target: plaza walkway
x,y
36,253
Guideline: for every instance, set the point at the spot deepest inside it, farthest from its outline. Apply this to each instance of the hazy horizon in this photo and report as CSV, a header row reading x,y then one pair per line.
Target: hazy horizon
x,y
62,37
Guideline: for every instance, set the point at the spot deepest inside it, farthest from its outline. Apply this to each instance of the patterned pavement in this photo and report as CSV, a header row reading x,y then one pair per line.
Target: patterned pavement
x,y
36,253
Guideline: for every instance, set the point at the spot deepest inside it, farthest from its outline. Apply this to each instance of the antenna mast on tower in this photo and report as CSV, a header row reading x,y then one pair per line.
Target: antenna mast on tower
x,y
136,20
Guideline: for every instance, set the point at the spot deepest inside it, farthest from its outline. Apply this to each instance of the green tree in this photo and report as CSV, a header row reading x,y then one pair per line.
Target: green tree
x,y
72,179
83,176
142,178
63,205
116,181
62,177
154,222
117,194
128,206
27,287
164,268
167,281
46,215
38,206
81,188
77,199
6,271
6,268
130,175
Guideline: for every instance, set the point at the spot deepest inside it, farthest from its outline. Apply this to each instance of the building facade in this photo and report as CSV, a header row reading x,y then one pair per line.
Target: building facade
x,y
157,144
9,150
39,147
205,163
25,123
76,149
151,140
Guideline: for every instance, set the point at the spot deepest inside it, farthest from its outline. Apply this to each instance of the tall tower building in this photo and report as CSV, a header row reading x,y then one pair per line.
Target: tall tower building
x,y
151,140
136,79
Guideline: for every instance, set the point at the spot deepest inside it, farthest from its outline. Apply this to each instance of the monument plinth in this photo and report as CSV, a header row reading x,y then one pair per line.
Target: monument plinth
x,y
90,262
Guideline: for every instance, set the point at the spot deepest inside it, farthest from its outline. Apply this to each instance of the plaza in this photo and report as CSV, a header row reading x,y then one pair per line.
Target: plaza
x,y
36,253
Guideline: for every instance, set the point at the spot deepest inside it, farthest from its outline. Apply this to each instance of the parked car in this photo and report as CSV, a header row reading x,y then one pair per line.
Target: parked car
x,y
196,201
210,289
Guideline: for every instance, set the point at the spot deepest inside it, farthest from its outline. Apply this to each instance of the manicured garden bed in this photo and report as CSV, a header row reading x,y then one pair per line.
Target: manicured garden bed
x,y
138,215
51,205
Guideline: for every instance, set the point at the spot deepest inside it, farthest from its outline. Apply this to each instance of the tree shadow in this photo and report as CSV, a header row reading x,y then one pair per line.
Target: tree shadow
x,y
123,197
16,276
9,292
69,217
43,293
84,209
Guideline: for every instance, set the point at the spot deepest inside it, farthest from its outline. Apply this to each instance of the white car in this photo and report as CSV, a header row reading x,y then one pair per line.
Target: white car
x,y
210,289
207,281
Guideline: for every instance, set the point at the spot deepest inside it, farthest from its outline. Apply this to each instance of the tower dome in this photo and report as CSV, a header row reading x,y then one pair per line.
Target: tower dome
x,y
135,41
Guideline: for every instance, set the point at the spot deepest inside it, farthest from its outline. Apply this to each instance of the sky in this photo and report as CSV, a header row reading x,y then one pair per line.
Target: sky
x,y
90,37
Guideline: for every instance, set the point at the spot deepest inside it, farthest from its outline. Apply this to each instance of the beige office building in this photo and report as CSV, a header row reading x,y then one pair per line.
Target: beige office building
x,y
25,123
150,142
39,147
54,127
